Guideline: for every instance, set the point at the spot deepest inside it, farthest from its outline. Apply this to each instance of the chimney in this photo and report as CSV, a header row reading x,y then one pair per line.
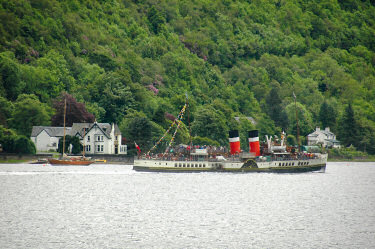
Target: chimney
x,y
327,129
254,142
317,128
234,142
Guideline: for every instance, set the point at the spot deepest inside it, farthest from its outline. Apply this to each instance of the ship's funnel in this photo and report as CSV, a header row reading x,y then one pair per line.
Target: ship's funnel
x,y
234,141
254,142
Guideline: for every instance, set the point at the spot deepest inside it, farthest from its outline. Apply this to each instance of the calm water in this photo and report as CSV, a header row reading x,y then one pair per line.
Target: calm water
x,y
112,206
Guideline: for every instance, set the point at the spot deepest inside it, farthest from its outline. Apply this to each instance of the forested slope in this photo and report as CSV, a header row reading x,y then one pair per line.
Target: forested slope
x,y
131,62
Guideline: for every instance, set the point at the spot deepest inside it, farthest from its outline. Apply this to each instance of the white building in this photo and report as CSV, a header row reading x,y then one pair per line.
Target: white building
x,y
97,138
46,138
324,137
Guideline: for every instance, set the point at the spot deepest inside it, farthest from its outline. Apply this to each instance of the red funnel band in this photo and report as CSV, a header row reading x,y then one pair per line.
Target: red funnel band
x,y
254,145
235,146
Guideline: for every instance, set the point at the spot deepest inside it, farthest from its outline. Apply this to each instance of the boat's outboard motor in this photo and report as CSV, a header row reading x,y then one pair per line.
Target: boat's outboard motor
x,y
234,141
254,142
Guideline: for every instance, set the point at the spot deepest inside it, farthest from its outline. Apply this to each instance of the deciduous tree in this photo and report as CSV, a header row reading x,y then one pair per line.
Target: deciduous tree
x,y
29,111
75,111
210,123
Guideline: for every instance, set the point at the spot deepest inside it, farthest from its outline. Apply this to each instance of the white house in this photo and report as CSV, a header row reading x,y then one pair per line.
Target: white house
x,y
324,137
47,138
99,138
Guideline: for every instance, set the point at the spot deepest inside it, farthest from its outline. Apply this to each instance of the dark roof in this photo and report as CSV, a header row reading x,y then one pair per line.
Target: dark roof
x,y
327,133
78,128
51,131
333,140
312,135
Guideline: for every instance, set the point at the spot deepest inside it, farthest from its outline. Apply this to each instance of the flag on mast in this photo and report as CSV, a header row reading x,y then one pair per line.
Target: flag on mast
x,y
136,146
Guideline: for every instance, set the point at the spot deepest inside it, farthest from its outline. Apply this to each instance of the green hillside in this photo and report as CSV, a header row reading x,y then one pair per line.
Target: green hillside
x,y
131,62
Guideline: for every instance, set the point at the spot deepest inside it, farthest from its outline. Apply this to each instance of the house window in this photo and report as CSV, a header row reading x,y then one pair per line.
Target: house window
x,y
116,138
88,138
88,147
101,146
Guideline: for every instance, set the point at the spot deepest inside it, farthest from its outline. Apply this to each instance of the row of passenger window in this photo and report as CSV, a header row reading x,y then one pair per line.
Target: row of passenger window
x,y
303,163
286,164
292,164
188,165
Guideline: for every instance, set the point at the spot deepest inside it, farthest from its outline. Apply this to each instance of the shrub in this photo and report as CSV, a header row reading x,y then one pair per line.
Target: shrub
x,y
24,145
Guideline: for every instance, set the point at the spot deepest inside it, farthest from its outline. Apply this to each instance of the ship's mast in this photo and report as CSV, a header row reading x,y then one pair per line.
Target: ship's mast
x,y
295,105
187,106
84,134
64,128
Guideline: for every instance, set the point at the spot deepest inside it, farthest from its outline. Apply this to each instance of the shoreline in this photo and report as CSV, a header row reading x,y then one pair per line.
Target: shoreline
x,y
28,161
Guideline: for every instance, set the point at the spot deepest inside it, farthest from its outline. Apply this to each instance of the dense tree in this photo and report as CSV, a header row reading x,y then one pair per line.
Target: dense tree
x,y
139,131
113,96
327,115
23,145
75,112
237,56
29,111
7,139
204,141
348,130
6,111
10,81
156,19
70,142
305,121
291,140
275,109
209,122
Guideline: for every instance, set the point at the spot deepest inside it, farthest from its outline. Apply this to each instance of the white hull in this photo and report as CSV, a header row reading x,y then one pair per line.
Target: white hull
x,y
295,165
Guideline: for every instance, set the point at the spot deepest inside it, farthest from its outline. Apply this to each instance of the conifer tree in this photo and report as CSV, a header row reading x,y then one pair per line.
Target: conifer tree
x,y
327,115
348,129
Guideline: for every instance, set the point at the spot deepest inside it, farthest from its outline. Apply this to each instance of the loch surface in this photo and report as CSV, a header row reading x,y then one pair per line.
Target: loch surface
x,y
112,206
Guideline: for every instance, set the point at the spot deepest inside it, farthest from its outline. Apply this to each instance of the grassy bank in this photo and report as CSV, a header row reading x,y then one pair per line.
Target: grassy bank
x,y
3,161
349,154
337,159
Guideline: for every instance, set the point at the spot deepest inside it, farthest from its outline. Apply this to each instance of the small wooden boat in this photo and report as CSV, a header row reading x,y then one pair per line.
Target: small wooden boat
x,y
39,161
81,161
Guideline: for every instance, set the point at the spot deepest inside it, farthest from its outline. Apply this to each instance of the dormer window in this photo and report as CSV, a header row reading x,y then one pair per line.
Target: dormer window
x,y
88,138
104,129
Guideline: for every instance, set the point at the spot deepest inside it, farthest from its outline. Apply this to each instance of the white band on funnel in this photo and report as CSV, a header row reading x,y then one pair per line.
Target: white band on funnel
x,y
234,139
253,139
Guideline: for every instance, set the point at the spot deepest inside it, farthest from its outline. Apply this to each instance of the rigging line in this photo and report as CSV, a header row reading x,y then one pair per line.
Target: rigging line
x,y
174,135
180,115
178,126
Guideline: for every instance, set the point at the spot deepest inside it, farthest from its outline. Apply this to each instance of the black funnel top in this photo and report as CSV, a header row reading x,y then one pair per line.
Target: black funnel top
x,y
233,133
253,133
